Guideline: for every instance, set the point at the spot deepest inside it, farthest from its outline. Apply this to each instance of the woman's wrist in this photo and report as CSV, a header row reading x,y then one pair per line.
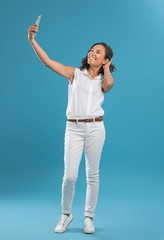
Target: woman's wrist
x,y
106,68
32,40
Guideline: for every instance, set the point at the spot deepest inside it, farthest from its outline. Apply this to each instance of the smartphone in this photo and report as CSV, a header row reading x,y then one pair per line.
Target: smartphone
x,y
38,20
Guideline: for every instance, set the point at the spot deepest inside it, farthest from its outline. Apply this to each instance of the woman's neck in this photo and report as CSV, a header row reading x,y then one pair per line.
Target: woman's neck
x,y
93,72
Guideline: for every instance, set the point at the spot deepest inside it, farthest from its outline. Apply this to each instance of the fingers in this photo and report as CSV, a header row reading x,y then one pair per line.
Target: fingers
x,y
33,28
32,34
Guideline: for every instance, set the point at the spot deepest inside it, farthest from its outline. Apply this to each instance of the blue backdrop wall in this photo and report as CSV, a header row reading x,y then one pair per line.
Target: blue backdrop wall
x,y
33,101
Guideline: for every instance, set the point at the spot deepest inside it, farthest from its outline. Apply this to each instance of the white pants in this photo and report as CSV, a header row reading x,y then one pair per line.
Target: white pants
x,y
91,137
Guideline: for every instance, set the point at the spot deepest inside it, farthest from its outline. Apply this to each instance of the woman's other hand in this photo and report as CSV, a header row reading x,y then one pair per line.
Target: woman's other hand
x,y
107,65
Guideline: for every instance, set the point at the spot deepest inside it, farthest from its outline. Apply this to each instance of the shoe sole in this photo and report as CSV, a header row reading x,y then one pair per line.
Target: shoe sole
x,y
88,232
85,231
66,227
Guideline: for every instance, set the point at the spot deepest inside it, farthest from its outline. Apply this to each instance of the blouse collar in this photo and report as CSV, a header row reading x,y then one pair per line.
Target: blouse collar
x,y
86,72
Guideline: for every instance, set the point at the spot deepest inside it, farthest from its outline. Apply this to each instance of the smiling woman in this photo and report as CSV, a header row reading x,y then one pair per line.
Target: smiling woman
x,y
84,127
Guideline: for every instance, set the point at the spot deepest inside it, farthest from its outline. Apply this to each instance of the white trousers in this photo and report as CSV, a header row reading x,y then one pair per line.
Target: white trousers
x,y
89,136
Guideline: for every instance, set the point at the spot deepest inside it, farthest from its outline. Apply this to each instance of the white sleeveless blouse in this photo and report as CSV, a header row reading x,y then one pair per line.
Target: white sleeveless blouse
x,y
85,96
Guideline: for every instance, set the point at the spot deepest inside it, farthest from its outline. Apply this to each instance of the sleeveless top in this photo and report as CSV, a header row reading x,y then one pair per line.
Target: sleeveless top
x,y
85,96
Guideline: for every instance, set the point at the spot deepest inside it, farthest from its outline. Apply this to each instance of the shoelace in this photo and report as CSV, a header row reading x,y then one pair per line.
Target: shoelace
x,y
61,218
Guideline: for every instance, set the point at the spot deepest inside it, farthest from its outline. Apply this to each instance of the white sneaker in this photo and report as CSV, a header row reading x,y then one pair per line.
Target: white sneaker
x,y
88,226
63,223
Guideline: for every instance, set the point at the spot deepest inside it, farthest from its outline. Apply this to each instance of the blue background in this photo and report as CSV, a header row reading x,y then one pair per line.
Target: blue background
x,y
33,101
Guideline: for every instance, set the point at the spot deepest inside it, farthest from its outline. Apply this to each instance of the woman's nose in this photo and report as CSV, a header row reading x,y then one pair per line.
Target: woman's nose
x,y
92,54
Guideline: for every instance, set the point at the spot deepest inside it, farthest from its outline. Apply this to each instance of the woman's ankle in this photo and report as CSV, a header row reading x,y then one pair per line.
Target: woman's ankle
x,y
89,217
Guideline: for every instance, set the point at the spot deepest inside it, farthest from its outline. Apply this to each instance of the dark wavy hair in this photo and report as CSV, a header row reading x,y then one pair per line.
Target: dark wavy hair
x,y
108,55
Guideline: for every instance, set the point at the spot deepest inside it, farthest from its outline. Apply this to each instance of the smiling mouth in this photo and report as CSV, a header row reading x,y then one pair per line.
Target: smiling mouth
x,y
91,58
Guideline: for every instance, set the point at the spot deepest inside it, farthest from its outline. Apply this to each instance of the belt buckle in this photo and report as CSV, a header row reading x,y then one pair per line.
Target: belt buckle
x,y
77,120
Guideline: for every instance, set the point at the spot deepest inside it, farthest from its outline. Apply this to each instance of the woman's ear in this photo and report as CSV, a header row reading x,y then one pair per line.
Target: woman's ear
x,y
105,61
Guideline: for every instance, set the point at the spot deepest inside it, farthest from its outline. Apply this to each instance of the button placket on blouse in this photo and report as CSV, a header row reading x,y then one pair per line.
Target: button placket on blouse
x,y
90,94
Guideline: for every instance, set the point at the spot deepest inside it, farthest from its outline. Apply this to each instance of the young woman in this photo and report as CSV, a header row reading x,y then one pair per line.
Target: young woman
x,y
84,128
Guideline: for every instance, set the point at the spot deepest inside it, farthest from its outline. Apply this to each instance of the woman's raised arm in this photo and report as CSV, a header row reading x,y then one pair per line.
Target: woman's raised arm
x,y
65,71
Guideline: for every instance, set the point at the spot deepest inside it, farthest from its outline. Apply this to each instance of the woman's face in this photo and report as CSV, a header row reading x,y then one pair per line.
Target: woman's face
x,y
95,56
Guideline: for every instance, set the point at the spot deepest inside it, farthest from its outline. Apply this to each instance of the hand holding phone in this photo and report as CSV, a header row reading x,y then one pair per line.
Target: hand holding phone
x,y
33,29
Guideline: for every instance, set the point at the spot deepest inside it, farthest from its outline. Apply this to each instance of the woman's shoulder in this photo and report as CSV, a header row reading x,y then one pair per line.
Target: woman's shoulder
x,y
80,71
77,72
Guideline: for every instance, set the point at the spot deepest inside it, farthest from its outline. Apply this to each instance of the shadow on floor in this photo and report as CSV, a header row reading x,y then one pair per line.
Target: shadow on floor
x,y
80,230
